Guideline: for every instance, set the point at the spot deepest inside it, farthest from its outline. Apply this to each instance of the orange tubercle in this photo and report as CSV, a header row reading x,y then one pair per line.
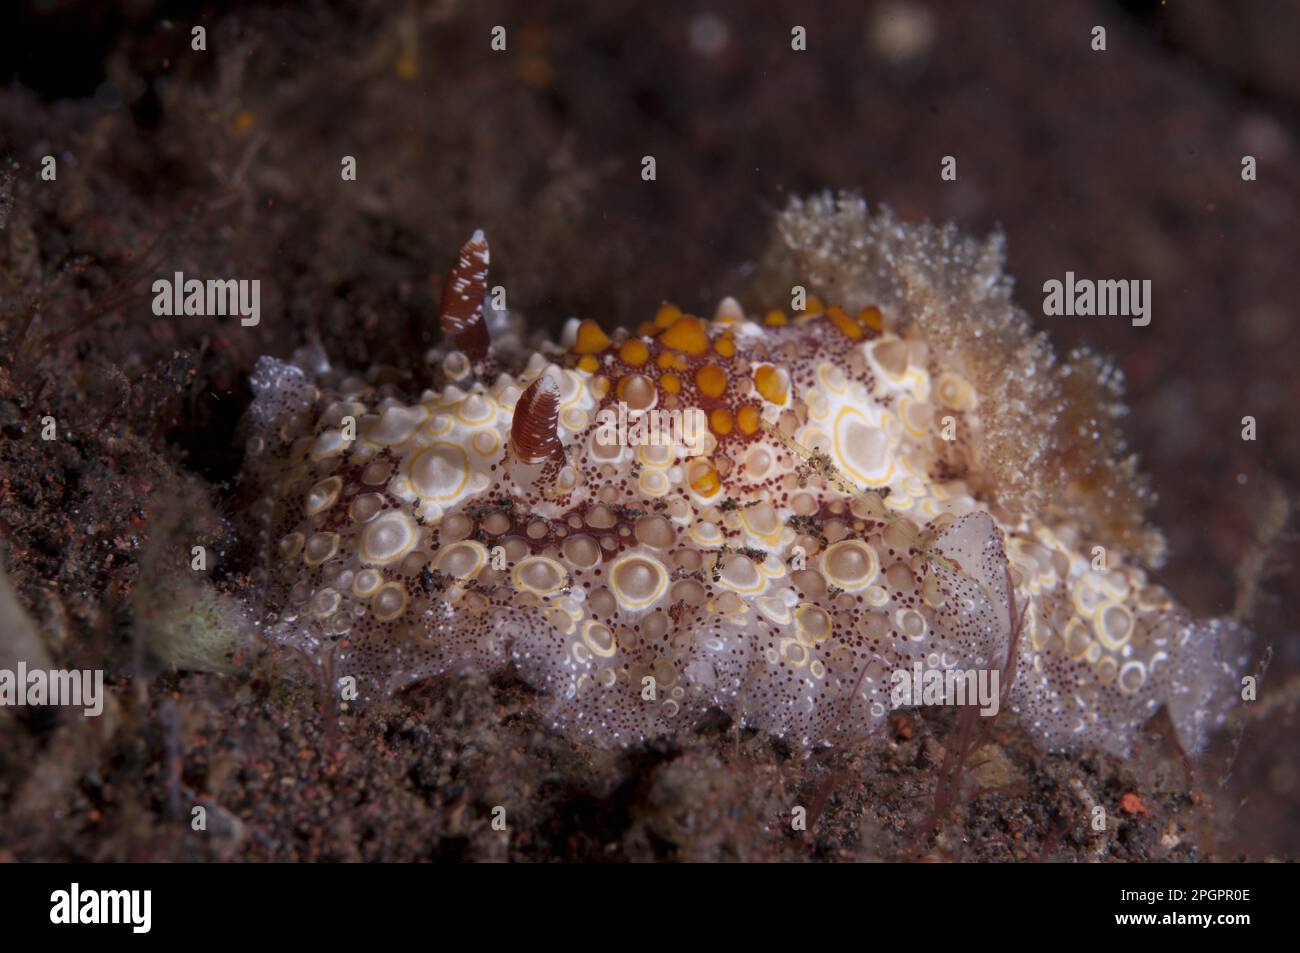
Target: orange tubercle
x,y
591,339
666,315
771,384
686,334
711,380
872,318
848,327
705,479
671,360
634,352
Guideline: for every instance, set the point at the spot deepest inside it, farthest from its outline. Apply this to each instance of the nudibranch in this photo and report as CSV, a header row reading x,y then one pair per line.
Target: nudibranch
x,y
903,474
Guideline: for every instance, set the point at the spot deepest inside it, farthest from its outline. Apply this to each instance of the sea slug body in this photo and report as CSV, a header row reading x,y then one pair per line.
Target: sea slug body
x,y
889,478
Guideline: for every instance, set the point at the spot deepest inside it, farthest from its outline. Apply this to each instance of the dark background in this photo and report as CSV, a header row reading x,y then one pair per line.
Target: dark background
x,y
1123,164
